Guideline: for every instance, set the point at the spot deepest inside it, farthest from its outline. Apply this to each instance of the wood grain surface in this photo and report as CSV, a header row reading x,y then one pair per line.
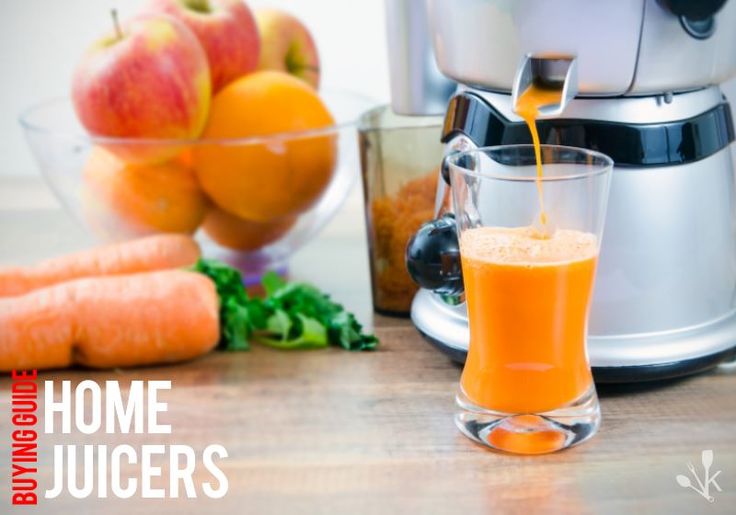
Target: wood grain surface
x,y
331,431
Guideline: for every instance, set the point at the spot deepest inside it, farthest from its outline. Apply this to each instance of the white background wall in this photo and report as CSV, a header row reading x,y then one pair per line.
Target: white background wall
x,y
41,41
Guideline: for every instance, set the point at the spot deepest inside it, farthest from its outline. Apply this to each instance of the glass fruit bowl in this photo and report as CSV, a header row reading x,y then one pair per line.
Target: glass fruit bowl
x,y
249,201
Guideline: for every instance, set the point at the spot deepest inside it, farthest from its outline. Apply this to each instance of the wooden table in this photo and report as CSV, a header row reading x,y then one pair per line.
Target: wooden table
x,y
332,431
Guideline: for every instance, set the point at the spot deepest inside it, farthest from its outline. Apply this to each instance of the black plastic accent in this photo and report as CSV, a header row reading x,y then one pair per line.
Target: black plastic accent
x,y
658,372
632,145
433,257
457,355
445,169
696,10
623,375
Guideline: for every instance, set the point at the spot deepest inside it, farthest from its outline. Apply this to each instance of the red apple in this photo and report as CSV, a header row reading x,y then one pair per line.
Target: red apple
x,y
147,79
225,28
287,45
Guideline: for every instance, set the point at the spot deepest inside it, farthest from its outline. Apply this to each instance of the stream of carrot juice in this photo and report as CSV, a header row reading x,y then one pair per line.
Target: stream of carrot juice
x,y
527,106
528,292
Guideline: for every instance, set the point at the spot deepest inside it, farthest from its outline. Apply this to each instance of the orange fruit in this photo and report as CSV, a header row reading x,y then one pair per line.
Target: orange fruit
x,y
236,233
185,158
122,201
275,177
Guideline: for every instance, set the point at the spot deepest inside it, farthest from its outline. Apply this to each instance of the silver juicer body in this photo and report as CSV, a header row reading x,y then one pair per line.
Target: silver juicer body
x,y
665,296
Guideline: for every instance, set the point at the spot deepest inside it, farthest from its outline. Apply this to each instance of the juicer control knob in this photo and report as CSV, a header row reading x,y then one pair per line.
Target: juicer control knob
x,y
433,257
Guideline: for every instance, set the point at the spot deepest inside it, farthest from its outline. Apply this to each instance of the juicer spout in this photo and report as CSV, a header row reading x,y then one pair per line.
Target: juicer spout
x,y
547,72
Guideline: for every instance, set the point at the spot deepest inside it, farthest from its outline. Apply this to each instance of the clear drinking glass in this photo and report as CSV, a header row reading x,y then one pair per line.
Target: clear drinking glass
x,y
527,386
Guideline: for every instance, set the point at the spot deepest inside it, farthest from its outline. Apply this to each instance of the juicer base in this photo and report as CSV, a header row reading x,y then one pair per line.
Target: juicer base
x,y
625,359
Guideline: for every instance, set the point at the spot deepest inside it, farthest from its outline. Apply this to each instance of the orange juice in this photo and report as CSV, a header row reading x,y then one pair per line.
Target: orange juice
x,y
527,106
527,298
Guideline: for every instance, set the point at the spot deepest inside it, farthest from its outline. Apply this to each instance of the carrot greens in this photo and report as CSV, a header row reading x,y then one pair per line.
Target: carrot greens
x,y
292,315
236,327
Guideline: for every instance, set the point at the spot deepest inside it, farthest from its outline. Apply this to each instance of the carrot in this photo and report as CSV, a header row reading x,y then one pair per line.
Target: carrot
x,y
115,321
145,254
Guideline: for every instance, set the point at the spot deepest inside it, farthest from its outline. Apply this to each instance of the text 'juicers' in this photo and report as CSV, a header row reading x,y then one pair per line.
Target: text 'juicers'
x,y
644,78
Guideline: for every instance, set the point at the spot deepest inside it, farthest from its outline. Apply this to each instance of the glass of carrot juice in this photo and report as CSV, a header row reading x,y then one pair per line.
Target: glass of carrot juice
x,y
529,243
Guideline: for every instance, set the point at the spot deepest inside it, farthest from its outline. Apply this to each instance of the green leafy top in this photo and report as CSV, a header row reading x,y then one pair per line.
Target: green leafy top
x,y
291,316
235,323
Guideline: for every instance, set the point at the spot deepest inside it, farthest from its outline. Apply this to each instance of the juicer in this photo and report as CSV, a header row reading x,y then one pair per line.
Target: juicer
x,y
640,82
